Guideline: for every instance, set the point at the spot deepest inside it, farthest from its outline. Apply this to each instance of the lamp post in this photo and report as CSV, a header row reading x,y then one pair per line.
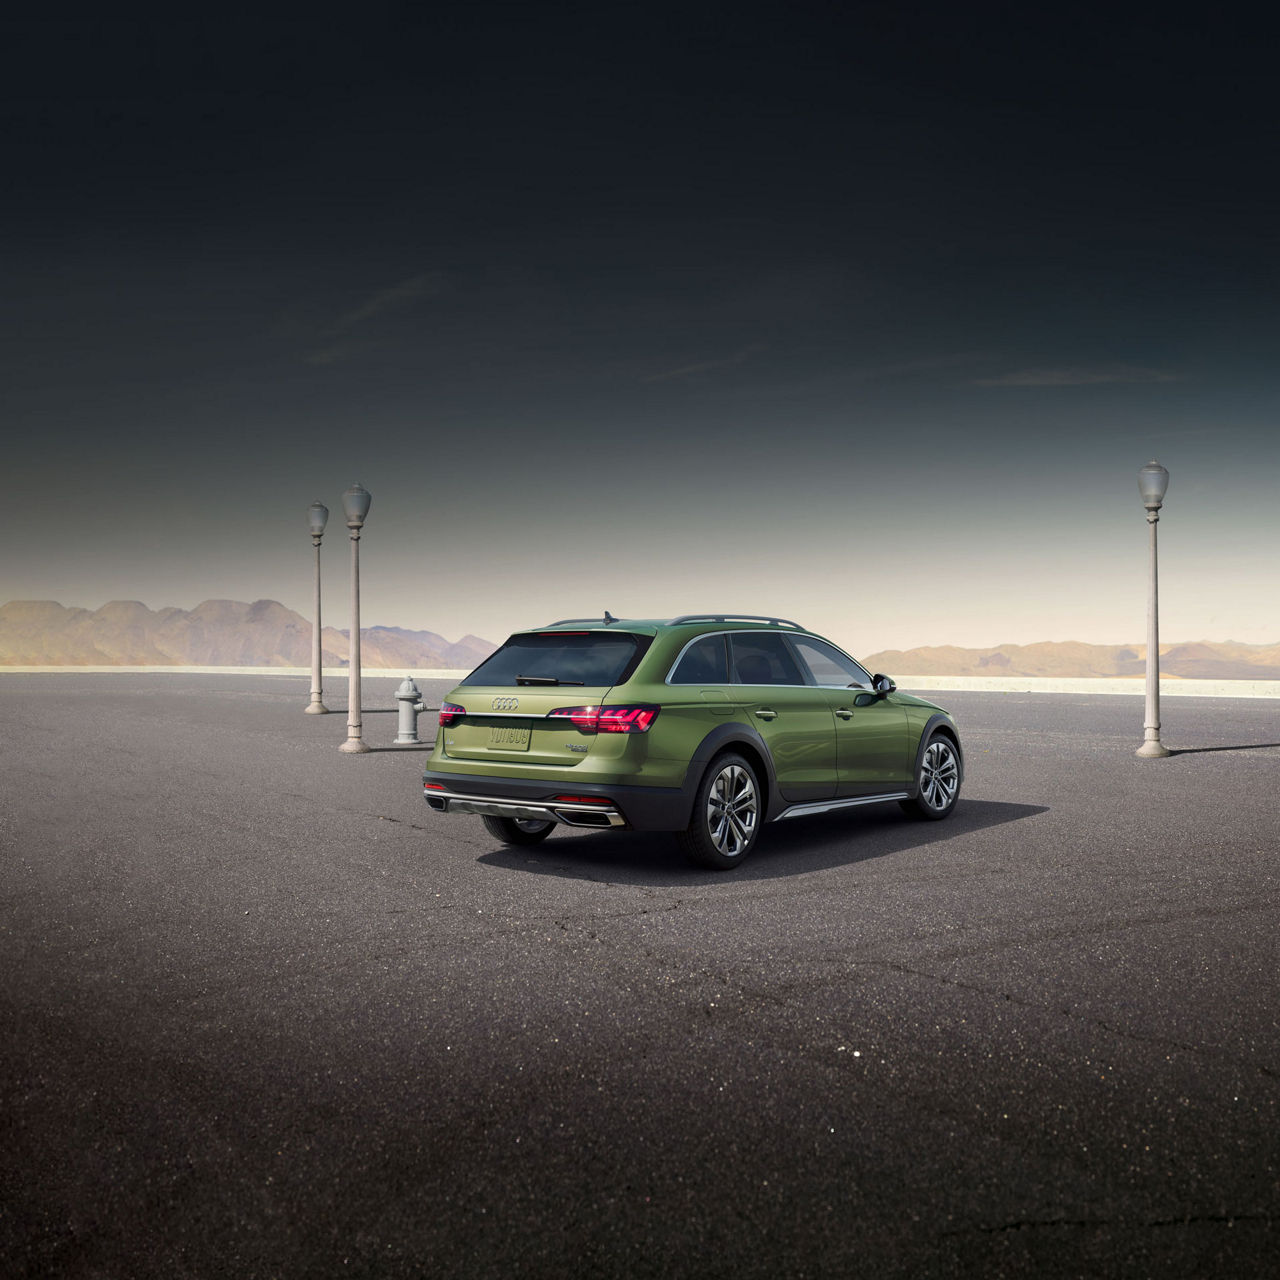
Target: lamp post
x,y
1153,480
317,515
355,503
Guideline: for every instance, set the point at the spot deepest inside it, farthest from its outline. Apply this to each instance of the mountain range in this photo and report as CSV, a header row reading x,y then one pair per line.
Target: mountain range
x,y
217,633
1203,660
230,633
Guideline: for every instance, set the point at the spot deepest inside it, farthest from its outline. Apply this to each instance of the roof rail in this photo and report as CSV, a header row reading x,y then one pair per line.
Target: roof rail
x,y
736,617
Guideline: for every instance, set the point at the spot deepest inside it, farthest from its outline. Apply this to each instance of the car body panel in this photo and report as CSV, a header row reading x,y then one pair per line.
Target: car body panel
x,y
798,729
498,717
875,747
939,722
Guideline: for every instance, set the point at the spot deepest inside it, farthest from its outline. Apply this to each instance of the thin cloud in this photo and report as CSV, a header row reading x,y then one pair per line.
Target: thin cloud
x,y
429,284
343,338
839,379
926,364
1077,377
336,352
706,366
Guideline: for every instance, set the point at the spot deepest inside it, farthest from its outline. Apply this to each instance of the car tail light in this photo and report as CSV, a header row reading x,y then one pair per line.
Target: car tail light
x,y
584,718
626,719
632,719
450,714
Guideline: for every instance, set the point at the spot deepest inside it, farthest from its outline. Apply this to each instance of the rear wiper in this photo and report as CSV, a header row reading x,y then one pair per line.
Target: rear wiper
x,y
544,680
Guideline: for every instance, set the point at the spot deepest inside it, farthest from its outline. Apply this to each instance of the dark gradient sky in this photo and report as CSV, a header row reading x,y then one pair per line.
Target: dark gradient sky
x,y
866,313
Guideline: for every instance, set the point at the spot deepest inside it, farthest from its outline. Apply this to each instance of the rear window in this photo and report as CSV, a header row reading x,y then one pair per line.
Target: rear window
x,y
586,658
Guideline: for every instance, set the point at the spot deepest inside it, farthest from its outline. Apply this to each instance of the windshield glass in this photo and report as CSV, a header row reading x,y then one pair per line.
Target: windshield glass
x,y
569,657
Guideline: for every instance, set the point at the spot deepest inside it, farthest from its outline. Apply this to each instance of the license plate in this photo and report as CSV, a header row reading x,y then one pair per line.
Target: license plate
x,y
509,738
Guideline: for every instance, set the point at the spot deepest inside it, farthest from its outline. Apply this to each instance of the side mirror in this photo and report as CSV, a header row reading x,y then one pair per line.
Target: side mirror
x,y
882,684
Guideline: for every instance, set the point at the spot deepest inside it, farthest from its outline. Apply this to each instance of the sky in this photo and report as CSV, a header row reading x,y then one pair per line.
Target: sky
x,y
865,315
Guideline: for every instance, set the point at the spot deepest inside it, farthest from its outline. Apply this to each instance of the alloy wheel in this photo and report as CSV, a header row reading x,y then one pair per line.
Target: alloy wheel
x,y
939,774
733,808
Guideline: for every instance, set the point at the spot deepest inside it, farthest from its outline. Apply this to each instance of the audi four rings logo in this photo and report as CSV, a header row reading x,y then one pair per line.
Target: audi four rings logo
x,y
505,704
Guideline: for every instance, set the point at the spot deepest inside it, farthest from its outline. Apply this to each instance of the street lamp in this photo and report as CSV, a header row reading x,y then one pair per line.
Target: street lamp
x,y
355,503
1153,480
317,515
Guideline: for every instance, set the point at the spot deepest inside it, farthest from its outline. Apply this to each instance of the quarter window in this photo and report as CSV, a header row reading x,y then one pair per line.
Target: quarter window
x,y
761,658
827,664
704,662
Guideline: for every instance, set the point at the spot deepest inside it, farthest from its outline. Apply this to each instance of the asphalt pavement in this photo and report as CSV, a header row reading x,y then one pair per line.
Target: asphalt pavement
x,y
262,1013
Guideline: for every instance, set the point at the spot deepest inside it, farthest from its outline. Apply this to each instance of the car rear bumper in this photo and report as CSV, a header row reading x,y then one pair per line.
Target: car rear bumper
x,y
572,815
640,808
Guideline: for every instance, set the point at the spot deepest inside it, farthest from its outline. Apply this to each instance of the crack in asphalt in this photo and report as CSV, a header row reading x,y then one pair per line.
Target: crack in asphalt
x,y
584,920
1076,931
399,822
1100,1023
657,909
1190,1220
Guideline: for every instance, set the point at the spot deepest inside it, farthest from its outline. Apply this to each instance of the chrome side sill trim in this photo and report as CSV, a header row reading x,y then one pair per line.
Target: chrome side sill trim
x,y
825,806
571,815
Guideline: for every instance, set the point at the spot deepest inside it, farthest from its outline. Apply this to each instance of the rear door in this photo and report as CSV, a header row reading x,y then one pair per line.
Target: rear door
x,y
510,702
794,718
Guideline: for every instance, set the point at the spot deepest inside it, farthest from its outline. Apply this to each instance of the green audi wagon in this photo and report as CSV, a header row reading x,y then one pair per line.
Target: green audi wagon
x,y
706,725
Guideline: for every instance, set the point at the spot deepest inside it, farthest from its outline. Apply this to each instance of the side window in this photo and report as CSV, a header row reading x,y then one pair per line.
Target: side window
x,y
761,658
828,665
703,662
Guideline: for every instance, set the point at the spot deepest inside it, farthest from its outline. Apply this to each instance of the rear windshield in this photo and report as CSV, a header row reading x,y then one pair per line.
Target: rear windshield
x,y
585,658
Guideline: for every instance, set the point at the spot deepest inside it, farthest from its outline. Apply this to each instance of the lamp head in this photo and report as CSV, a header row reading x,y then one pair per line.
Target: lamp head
x,y
317,515
355,502
1153,480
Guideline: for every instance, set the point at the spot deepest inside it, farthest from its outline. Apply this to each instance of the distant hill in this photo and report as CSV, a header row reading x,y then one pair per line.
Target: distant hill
x,y
217,633
230,633
1205,660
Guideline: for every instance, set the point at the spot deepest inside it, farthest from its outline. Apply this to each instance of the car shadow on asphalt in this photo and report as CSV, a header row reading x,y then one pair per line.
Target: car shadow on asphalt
x,y
794,847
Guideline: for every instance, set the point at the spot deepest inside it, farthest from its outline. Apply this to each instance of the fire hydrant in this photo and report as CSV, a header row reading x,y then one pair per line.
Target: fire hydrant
x,y
410,698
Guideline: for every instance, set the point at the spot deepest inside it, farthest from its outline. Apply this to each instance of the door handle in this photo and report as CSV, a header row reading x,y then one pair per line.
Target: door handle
x,y
767,713
844,713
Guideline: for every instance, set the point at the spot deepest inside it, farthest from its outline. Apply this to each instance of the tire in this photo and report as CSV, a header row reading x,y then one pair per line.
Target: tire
x,y
727,811
518,830
937,780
